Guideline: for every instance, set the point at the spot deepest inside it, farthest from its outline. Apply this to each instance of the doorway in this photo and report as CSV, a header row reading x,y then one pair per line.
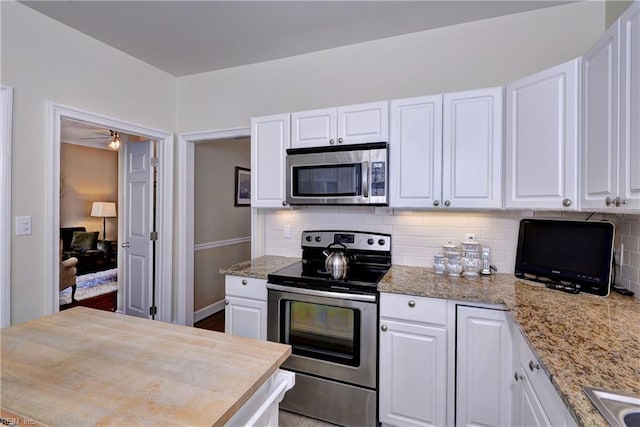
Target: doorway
x,y
163,160
186,246
89,160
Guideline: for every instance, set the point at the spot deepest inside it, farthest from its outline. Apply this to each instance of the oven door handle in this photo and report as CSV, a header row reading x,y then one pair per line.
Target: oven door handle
x,y
327,294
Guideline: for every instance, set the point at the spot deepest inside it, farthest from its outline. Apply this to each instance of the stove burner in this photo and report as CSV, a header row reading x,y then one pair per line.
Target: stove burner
x,y
367,262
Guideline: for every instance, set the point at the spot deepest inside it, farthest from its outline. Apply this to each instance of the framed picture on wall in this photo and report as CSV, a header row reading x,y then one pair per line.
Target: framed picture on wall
x,y
243,187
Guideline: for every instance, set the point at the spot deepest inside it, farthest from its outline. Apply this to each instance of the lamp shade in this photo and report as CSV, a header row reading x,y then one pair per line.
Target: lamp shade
x,y
103,209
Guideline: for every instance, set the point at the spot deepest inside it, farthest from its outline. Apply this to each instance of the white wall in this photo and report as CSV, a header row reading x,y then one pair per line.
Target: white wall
x,y
43,60
474,55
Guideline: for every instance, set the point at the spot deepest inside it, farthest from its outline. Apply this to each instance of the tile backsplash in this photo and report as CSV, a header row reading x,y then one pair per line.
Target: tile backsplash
x,y
418,235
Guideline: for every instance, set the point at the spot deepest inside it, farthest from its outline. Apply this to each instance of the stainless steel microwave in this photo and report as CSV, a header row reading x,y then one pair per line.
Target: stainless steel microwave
x,y
338,175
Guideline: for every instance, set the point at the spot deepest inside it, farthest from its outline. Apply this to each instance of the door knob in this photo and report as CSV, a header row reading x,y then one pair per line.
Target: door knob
x,y
518,376
447,203
384,328
533,366
125,245
566,203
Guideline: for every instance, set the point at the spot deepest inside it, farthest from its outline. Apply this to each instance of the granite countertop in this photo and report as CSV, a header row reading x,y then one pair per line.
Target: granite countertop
x,y
580,340
258,268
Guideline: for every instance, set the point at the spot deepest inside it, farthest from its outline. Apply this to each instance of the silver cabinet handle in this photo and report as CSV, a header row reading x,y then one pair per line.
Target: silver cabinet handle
x,y
566,203
620,201
384,328
125,245
226,302
436,203
447,203
533,366
518,376
340,140
244,281
412,303
332,141
608,201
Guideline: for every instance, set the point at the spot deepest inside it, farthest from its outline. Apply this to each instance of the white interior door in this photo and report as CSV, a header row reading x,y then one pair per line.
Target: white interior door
x,y
137,246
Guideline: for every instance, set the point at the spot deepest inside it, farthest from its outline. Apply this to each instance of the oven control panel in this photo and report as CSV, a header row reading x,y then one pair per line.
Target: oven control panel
x,y
353,240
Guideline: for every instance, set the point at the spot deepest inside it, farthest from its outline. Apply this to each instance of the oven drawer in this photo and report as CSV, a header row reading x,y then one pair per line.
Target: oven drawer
x,y
413,308
246,287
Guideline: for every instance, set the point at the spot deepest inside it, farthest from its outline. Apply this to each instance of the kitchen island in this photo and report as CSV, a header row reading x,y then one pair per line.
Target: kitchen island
x,y
89,367
581,340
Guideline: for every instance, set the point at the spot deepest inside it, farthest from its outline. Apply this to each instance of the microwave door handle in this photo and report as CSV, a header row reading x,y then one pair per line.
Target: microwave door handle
x,y
365,179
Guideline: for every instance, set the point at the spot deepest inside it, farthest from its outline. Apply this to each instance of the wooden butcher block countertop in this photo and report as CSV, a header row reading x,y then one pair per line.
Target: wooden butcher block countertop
x,y
87,367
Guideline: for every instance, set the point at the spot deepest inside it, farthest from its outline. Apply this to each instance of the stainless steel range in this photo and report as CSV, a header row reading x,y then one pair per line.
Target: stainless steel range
x,y
329,318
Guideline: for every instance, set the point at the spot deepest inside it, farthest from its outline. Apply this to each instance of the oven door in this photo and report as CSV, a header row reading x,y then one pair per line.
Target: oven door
x,y
332,335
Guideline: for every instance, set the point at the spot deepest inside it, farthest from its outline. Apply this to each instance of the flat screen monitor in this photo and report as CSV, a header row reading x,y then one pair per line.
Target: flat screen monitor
x,y
577,254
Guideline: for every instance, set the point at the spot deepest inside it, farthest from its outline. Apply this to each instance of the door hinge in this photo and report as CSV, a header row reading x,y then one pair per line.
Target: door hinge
x,y
153,310
153,236
155,162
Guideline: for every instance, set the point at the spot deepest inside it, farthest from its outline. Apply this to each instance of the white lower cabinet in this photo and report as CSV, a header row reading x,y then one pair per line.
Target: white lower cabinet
x,y
414,368
245,311
535,400
484,360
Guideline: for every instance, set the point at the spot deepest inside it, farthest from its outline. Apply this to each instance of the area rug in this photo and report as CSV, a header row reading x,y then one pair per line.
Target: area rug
x,y
92,285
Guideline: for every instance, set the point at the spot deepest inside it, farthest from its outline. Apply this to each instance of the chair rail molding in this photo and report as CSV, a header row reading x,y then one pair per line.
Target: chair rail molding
x,y
221,244
164,221
185,244
6,114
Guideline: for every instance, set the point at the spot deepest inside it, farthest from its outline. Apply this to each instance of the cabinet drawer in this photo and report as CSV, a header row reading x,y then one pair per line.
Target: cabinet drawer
x,y
541,384
418,309
246,287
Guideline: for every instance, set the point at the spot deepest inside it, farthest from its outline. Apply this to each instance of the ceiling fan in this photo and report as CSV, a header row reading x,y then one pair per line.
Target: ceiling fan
x,y
113,139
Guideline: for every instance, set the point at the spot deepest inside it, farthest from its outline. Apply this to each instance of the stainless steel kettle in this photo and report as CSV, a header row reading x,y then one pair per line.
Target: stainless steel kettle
x,y
337,262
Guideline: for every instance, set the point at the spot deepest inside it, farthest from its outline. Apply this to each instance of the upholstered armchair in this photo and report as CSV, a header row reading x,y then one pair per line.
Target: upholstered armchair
x,y
68,274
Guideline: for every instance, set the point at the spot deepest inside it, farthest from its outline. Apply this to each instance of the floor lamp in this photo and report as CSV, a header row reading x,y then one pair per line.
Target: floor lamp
x,y
104,210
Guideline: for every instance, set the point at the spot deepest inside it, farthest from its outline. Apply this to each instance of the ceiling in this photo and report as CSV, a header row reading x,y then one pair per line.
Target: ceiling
x,y
189,37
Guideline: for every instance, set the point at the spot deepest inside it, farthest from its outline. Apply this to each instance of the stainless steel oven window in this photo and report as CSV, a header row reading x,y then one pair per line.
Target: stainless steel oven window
x,y
322,331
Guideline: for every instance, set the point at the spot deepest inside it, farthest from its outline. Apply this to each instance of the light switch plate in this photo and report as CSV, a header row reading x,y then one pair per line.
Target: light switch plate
x,y
287,231
23,225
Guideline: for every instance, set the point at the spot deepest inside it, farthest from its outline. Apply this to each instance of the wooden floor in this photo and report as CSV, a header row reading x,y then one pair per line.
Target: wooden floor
x,y
106,302
215,322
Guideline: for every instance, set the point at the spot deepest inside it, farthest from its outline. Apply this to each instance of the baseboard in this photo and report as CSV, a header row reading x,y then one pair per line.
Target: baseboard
x,y
208,311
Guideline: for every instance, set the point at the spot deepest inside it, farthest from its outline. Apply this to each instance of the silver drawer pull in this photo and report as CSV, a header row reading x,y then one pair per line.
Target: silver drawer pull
x,y
533,366
518,376
384,328
412,303
244,281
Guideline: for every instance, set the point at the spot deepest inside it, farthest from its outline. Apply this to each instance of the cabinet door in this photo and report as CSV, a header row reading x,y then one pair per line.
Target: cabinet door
x,y
245,317
630,107
484,355
600,121
413,374
269,140
313,128
472,149
363,123
542,140
416,152
528,410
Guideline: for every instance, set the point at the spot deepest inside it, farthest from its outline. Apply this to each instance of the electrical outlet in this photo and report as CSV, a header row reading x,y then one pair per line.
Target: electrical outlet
x,y
287,231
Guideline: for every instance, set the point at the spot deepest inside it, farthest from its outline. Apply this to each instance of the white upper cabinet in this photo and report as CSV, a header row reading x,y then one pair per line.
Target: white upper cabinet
x,y
541,147
415,163
629,189
446,150
472,149
353,124
611,117
269,140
